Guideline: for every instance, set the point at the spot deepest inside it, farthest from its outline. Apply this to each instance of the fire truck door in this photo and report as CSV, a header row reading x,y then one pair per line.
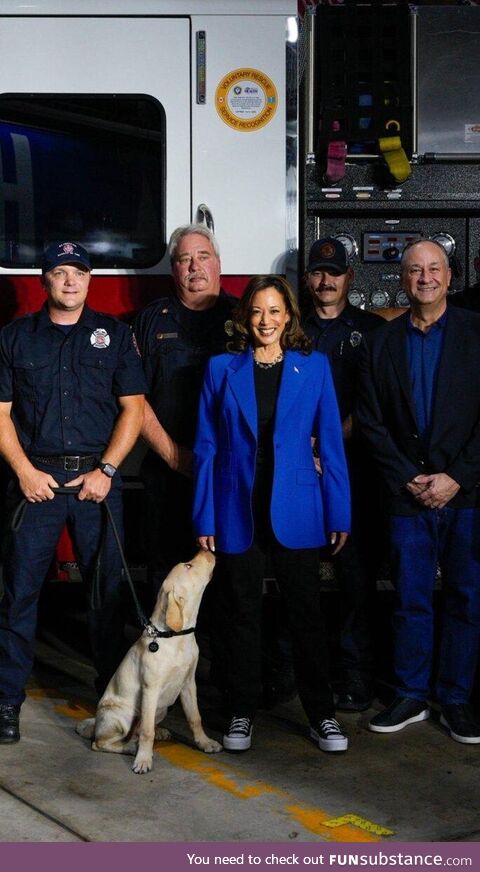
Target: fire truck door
x,y
80,55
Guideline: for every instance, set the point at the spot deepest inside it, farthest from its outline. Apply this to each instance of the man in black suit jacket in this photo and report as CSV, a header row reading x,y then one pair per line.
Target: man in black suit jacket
x,y
419,410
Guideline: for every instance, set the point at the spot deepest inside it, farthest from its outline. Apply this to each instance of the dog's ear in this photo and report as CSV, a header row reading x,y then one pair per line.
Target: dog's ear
x,y
174,615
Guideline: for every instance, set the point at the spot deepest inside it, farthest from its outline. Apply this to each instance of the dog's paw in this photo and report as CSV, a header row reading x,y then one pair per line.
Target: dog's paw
x,y
142,764
86,728
210,746
162,735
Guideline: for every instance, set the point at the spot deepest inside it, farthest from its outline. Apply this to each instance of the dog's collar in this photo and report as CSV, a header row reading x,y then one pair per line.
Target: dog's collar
x,y
154,633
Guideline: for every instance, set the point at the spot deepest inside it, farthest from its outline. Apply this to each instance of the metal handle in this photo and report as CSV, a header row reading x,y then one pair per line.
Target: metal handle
x,y
310,23
204,216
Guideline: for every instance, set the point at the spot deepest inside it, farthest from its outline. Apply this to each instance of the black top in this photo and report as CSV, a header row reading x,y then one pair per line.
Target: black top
x,y
267,384
64,388
175,343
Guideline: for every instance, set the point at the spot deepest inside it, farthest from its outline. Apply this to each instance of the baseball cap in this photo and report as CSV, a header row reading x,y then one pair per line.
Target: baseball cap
x,y
64,252
328,254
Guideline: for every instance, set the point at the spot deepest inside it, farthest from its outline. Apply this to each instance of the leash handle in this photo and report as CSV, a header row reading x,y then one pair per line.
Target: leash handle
x,y
18,516
19,513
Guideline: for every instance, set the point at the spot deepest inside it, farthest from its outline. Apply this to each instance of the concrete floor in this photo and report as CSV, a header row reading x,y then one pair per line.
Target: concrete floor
x,y
415,786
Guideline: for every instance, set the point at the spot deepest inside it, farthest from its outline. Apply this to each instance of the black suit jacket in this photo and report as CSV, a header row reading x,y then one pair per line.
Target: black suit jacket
x,y
386,413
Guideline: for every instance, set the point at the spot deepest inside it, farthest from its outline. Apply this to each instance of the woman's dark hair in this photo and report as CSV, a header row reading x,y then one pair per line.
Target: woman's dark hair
x,y
293,336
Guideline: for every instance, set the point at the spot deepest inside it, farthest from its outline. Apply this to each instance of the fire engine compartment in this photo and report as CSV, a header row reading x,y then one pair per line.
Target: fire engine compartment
x,y
391,84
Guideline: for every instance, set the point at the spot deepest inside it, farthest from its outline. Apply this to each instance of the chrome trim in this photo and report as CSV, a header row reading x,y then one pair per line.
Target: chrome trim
x,y
310,23
413,59
291,159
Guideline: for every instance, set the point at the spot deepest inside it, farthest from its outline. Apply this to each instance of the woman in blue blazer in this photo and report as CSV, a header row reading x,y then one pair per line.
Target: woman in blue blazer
x,y
258,492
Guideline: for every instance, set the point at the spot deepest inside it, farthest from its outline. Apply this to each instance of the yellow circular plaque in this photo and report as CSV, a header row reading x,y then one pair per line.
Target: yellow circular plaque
x,y
246,99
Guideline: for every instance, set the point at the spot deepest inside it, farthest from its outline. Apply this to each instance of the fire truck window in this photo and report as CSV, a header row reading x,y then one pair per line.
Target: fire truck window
x,y
88,168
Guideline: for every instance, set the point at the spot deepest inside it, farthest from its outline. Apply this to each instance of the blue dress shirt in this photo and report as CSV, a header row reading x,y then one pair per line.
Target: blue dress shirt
x,y
424,351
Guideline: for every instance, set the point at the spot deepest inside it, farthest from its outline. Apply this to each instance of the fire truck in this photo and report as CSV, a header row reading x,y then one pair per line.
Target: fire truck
x,y
273,125
122,120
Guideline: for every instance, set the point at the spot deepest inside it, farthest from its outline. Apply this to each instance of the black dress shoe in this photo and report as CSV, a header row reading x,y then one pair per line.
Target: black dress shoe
x,y
353,697
402,711
9,723
461,723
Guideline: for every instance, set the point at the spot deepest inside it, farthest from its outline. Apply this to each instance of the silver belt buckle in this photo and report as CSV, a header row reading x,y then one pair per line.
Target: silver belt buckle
x,y
71,463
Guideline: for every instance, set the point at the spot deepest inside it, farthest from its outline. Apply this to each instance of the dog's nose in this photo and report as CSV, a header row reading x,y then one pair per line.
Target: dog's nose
x,y
208,556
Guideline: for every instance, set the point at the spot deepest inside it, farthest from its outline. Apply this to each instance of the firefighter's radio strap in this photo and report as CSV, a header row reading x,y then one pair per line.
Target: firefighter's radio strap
x,y
392,150
16,523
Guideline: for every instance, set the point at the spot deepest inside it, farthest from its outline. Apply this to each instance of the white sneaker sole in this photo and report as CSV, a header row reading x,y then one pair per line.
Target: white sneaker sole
x,y
465,740
240,743
336,744
423,716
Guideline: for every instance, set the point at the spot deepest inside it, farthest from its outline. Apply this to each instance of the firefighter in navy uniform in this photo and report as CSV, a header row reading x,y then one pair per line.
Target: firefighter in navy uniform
x,y
176,335
336,328
71,407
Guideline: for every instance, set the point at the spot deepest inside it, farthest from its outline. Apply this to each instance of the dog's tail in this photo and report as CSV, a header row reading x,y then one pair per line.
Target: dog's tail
x,y
86,728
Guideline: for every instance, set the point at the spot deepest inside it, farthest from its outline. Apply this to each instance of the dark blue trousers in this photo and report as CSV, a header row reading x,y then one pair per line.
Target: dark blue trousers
x,y
450,538
29,553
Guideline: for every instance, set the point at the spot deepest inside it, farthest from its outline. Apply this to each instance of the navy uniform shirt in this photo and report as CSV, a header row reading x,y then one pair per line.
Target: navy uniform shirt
x,y
340,339
63,386
175,343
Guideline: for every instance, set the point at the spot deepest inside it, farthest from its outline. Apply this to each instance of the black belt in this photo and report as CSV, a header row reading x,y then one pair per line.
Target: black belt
x,y
68,462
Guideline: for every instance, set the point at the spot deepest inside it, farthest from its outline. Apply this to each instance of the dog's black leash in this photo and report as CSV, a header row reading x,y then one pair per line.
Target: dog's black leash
x,y
151,630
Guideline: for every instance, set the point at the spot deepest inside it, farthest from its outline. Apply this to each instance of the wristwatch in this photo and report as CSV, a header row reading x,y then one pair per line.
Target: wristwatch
x,y
107,468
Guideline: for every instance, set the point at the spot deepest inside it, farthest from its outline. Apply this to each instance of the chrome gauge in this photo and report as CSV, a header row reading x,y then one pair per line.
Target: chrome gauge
x,y
348,243
446,241
401,299
357,298
380,299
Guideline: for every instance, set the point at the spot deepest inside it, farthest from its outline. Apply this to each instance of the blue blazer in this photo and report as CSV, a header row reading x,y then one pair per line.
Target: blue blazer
x,y
305,506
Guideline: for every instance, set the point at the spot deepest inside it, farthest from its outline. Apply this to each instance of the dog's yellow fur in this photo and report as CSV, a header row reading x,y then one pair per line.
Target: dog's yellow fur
x,y
146,683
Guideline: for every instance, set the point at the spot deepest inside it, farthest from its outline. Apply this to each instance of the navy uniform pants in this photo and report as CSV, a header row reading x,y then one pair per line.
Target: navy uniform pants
x,y
29,553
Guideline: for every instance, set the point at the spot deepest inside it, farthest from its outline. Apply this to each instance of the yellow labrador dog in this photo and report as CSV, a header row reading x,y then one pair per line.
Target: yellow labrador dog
x,y
154,672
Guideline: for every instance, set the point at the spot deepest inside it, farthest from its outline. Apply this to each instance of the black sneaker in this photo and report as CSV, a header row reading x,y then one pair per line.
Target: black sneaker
x,y
9,723
238,736
353,696
329,736
461,723
402,711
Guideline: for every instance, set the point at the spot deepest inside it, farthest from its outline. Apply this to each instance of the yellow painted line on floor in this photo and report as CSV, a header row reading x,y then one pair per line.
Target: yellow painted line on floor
x,y
70,709
345,828
349,828
317,821
75,710
359,822
220,776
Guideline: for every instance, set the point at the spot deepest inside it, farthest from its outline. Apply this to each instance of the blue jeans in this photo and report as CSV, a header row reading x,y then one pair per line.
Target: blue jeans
x,y
29,553
450,538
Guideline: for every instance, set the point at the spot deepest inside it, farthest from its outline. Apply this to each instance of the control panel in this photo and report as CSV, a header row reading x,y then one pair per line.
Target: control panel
x,y
378,247
375,243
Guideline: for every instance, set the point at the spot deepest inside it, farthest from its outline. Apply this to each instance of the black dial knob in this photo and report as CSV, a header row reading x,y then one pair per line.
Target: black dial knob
x,y
391,253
